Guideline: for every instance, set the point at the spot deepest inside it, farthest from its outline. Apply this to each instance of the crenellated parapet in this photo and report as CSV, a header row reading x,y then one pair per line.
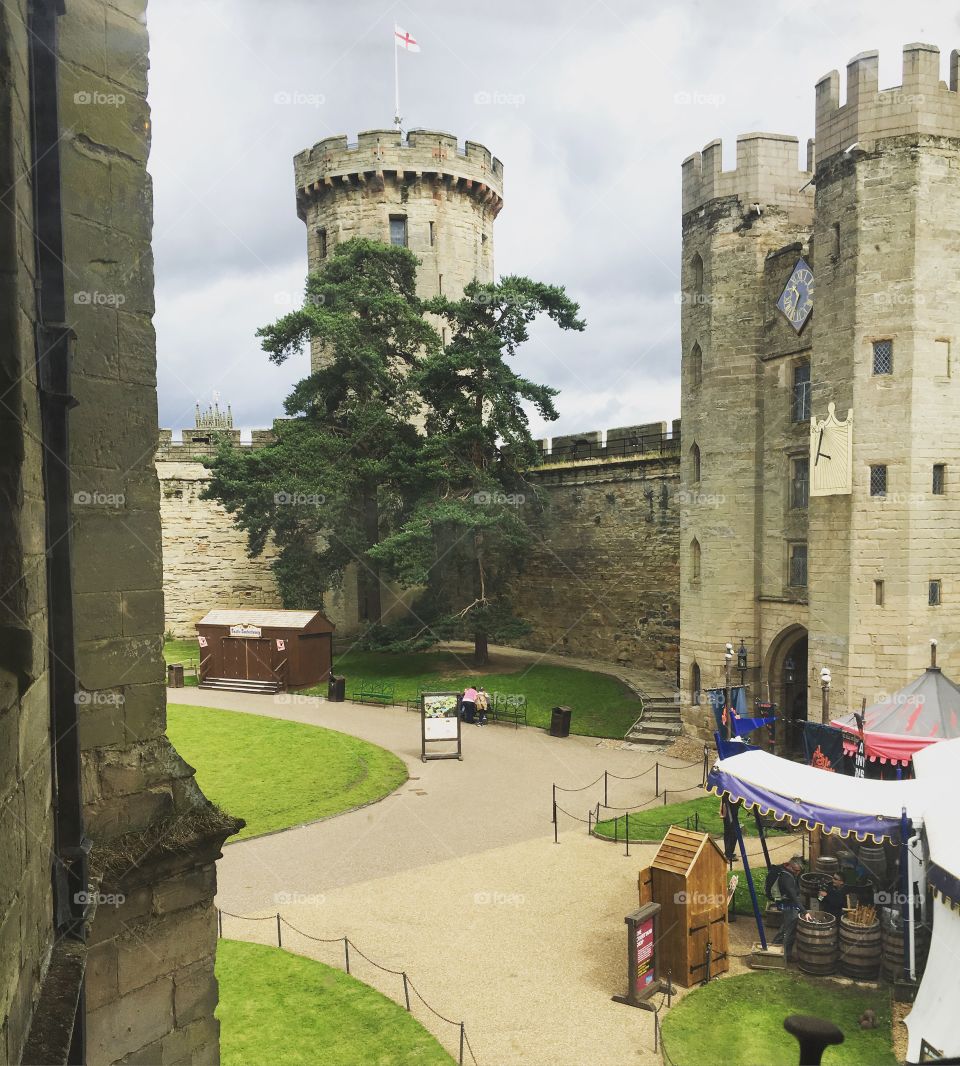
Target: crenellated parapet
x,y
198,444
921,105
767,173
649,439
386,155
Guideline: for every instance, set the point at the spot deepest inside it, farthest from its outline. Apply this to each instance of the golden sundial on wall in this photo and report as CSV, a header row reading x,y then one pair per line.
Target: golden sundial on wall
x,y
796,300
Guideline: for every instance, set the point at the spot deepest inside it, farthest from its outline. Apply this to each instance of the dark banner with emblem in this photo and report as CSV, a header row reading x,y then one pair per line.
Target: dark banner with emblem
x,y
824,746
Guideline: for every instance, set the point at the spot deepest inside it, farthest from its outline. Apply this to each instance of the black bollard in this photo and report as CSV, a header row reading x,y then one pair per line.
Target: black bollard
x,y
814,1035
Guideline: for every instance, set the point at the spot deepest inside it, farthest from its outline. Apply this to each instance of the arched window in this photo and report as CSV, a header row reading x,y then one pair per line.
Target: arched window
x,y
695,457
696,269
695,560
695,684
696,366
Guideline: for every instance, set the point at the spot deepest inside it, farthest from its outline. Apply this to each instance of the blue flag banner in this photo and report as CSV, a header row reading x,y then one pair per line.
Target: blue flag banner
x,y
742,726
726,748
738,700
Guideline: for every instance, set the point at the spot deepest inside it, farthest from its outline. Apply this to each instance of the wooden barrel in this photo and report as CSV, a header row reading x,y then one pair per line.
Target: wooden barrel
x,y
810,885
828,864
893,941
860,950
874,859
816,943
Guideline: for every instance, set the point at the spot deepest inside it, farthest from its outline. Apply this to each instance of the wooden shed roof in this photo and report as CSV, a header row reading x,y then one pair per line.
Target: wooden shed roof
x,y
680,850
264,619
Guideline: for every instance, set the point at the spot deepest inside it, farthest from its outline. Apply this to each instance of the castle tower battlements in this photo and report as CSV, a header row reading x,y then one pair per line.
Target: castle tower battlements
x,y
921,105
378,155
767,172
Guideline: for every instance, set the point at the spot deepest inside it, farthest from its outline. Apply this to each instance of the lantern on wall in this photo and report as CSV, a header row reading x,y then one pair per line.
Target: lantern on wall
x,y
789,670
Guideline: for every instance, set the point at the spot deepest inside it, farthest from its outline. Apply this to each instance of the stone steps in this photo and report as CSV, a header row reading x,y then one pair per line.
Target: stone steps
x,y
659,723
236,684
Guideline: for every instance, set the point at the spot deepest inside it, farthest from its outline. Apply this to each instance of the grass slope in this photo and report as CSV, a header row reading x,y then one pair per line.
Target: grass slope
x,y
187,653
290,1011
702,813
602,706
275,773
739,1021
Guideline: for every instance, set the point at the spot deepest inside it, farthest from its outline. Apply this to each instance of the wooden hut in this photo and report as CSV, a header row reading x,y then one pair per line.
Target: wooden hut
x,y
688,878
264,651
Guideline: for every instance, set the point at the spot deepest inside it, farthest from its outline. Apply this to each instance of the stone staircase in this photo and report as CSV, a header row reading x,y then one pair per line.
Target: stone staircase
x,y
236,684
658,724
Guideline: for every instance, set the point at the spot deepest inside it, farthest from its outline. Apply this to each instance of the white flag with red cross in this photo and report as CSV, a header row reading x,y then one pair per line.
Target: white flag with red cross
x,y
404,40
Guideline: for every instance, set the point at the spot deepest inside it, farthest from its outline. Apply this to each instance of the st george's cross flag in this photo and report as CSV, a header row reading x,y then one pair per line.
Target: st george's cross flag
x,y
404,40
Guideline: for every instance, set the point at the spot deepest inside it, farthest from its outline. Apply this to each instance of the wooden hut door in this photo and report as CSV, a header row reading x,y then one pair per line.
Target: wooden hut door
x,y
707,926
258,660
247,658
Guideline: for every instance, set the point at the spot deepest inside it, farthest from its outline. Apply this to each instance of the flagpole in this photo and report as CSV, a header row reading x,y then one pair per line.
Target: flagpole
x,y
396,83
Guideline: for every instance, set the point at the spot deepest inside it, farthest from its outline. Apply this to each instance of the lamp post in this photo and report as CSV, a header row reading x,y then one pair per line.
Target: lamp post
x,y
742,663
825,689
727,709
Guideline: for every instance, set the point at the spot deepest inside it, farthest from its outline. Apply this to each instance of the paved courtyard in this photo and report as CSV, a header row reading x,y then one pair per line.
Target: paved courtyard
x,y
455,878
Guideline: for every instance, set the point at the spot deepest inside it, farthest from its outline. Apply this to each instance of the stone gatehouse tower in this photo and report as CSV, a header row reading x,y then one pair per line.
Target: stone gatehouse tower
x,y
859,579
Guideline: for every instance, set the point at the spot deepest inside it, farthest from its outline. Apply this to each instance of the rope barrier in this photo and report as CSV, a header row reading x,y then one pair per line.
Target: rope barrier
x,y
592,783
573,816
347,943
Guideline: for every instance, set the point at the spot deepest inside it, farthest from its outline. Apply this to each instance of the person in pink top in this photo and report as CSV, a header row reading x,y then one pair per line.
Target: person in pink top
x,y
468,705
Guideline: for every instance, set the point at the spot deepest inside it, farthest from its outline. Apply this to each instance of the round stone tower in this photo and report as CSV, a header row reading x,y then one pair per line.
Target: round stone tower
x,y
421,191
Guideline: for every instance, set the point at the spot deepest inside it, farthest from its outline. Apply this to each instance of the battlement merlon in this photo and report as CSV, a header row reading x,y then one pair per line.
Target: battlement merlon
x,y
767,173
922,104
425,154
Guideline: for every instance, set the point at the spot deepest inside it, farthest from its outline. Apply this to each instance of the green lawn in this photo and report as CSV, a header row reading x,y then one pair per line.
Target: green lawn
x,y
739,1021
284,1009
602,706
276,773
186,652
702,812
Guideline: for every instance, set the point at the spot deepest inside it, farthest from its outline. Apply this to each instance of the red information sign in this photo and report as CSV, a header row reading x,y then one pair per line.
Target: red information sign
x,y
645,968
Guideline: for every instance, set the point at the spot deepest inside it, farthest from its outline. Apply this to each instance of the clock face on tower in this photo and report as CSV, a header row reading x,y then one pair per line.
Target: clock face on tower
x,y
796,300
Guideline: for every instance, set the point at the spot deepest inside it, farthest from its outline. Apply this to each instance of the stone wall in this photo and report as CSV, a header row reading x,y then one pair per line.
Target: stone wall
x,y
205,560
26,827
603,578
150,989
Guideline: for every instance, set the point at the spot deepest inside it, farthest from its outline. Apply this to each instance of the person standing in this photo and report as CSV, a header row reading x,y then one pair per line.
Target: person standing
x,y
469,705
483,702
789,884
834,898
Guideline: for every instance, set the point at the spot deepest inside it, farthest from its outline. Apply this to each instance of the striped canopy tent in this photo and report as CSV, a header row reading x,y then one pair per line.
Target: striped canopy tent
x,y
920,714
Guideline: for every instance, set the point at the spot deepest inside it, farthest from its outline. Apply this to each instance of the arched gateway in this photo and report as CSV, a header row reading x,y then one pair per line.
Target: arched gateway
x,y
785,669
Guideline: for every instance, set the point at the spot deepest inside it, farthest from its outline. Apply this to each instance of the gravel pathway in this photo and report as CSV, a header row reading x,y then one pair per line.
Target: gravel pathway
x,y
455,878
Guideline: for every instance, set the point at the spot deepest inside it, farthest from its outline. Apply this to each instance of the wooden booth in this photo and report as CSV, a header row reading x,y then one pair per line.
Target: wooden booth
x,y
264,651
688,878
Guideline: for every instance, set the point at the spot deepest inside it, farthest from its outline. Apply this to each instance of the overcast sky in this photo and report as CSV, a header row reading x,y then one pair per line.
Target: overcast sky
x,y
590,106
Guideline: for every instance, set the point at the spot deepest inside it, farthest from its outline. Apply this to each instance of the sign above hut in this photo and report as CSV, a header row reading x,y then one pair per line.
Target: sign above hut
x,y
264,651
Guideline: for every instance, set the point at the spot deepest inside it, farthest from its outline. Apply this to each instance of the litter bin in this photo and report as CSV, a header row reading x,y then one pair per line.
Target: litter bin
x,y
175,675
560,722
336,688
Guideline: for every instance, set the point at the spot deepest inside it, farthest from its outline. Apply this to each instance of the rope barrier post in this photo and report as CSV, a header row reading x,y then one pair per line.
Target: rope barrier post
x,y
656,777
219,923
554,803
406,990
704,782
346,952
461,1043
627,834
606,798
664,797
656,1033
616,829
279,937
589,823
555,840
